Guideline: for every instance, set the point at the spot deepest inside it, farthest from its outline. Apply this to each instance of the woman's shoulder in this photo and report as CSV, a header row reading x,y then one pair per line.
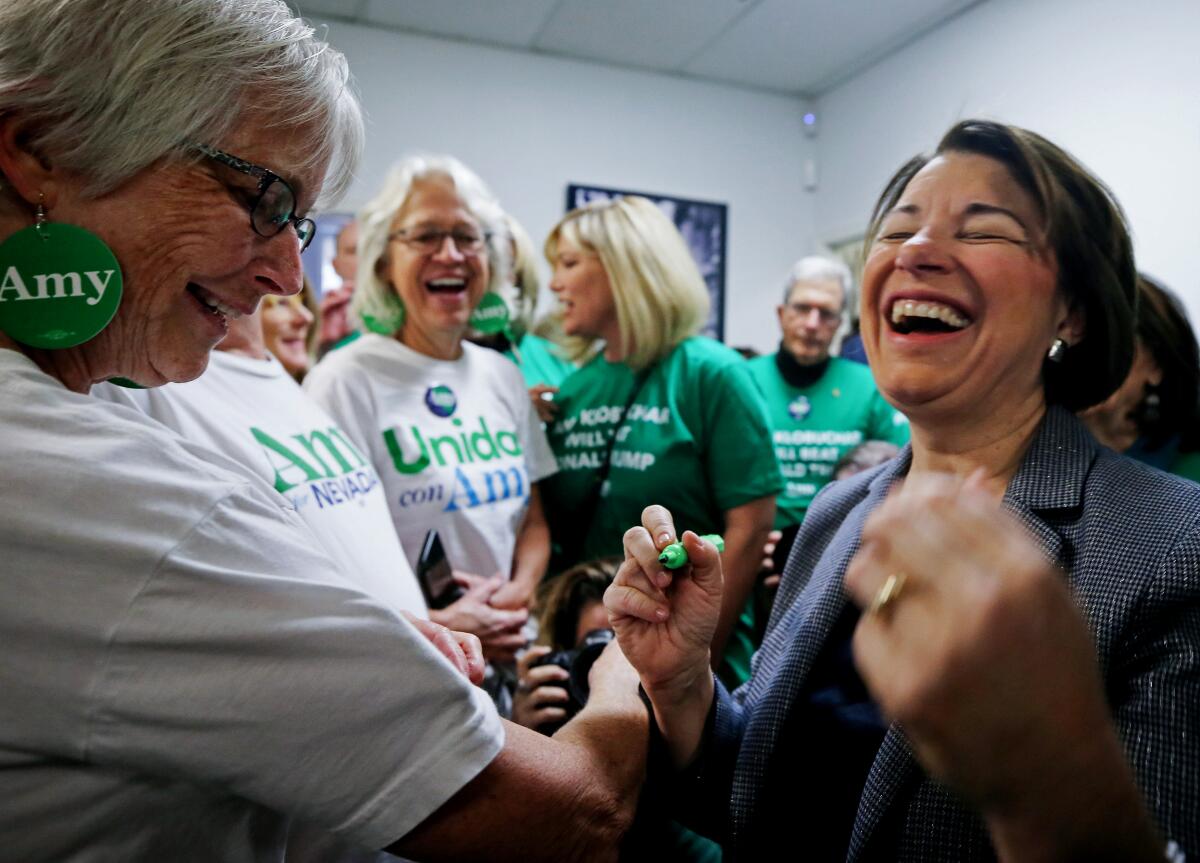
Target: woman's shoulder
x,y
1151,506
491,362
84,451
702,357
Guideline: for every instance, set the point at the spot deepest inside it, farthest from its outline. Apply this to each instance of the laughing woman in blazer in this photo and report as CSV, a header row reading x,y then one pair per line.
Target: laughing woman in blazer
x,y
990,646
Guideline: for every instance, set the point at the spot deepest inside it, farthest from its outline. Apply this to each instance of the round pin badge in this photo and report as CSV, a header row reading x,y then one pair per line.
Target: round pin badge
x,y
440,400
60,285
491,315
799,408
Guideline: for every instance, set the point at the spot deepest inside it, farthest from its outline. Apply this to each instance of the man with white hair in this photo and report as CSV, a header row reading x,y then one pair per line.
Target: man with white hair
x,y
821,406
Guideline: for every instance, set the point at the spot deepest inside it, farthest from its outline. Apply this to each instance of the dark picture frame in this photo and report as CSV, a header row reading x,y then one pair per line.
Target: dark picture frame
x,y
704,226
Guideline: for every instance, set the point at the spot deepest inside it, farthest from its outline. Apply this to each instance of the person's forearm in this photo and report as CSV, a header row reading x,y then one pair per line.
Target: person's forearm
x,y
681,712
531,554
1094,812
542,799
612,733
742,560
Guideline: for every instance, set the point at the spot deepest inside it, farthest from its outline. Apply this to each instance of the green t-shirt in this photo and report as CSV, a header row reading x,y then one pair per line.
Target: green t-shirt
x,y
1186,465
697,441
540,361
814,426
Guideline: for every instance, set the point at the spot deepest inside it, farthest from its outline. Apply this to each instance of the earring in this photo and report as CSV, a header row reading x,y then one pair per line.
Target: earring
x,y
1150,410
60,284
385,325
1058,351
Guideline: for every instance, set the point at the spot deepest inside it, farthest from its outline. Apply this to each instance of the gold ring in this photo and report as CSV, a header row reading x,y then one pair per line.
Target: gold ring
x,y
888,593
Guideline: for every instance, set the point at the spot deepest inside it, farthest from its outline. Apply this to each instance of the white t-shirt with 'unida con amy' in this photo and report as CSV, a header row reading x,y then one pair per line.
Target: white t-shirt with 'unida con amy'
x,y
456,443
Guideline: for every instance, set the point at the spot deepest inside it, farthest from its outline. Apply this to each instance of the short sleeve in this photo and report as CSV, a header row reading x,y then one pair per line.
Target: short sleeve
x,y
539,457
248,663
333,389
738,454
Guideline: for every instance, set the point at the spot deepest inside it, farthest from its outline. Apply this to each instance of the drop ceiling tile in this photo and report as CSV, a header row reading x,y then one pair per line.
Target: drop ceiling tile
x,y
656,34
802,45
511,22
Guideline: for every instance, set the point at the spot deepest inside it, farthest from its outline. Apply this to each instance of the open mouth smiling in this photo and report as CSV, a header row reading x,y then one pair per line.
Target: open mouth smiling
x,y
210,302
446,286
925,316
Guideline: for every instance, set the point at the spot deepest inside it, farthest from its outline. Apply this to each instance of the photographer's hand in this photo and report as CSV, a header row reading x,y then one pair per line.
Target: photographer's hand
x,y
538,700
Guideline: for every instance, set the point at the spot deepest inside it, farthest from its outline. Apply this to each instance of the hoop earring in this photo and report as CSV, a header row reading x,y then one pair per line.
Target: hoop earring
x,y
1058,351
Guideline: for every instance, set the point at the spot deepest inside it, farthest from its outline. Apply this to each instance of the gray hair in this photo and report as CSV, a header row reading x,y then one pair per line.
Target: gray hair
x,y
818,269
111,86
374,296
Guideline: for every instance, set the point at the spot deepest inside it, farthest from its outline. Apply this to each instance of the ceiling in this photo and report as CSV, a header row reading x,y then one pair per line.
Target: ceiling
x,y
797,47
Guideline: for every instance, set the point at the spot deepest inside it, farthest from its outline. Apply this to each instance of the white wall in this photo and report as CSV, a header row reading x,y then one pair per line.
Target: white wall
x,y
1116,83
530,124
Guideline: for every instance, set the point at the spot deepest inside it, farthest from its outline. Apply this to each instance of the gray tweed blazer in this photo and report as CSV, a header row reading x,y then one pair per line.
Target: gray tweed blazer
x,y
1127,537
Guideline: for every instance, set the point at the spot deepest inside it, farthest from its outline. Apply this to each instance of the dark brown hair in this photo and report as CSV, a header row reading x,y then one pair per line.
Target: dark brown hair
x,y
1165,332
562,598
1085,229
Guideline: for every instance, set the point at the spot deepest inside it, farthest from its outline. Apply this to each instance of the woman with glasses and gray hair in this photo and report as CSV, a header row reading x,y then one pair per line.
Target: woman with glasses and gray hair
x,y
184,671
447,423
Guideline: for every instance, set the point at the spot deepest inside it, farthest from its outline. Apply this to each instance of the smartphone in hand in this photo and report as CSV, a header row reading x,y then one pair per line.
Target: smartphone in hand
x,y
435,574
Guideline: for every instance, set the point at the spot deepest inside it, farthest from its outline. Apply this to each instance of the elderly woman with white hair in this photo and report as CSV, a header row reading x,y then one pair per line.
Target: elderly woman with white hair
x,y
184,671
447,424
656,411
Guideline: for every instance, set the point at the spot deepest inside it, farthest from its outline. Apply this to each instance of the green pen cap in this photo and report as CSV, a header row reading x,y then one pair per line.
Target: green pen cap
x,y
675,555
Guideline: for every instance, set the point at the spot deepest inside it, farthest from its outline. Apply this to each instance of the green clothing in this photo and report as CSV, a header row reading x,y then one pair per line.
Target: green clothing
x,y
1186,465
814,426
697,441
540,361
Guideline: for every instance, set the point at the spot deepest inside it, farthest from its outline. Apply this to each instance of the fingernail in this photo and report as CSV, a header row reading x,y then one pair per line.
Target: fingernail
x,y
660,614
664,538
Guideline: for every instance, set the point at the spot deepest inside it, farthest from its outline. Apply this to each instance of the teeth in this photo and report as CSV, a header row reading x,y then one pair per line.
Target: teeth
x,y
447,283
215,304
902,309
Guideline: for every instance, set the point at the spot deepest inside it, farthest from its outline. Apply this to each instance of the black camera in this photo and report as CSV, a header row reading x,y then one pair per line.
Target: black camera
x,y
577,663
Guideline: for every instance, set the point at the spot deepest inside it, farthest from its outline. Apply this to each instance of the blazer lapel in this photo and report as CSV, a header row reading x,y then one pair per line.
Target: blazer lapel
x,y
1050,478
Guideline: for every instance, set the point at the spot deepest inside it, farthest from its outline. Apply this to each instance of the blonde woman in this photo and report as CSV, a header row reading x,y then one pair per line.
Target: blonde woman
x,y
655,409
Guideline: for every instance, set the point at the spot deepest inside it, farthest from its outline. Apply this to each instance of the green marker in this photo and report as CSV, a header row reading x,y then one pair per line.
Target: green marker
x,y
675,555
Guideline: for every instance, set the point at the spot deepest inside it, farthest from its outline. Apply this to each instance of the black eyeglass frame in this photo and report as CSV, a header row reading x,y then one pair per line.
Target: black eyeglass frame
x,y
306,228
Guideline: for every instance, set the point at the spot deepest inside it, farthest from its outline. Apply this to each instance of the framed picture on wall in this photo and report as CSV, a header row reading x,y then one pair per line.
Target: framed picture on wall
x,y
703,226
318,257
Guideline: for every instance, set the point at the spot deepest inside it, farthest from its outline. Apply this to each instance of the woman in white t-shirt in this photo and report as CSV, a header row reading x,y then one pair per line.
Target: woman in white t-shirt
x,y
447,423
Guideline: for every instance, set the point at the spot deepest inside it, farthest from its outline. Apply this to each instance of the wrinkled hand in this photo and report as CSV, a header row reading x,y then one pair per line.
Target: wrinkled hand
x,y
546,409
461,648
983,657
538,701
665,621
498,629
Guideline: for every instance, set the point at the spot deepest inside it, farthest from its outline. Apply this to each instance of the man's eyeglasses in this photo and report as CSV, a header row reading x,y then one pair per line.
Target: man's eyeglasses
x,y
429,240
828,316
274,205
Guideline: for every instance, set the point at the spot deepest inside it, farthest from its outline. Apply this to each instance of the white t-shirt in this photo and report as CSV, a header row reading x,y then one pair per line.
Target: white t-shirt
x,y
181,663
253,412
456,442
